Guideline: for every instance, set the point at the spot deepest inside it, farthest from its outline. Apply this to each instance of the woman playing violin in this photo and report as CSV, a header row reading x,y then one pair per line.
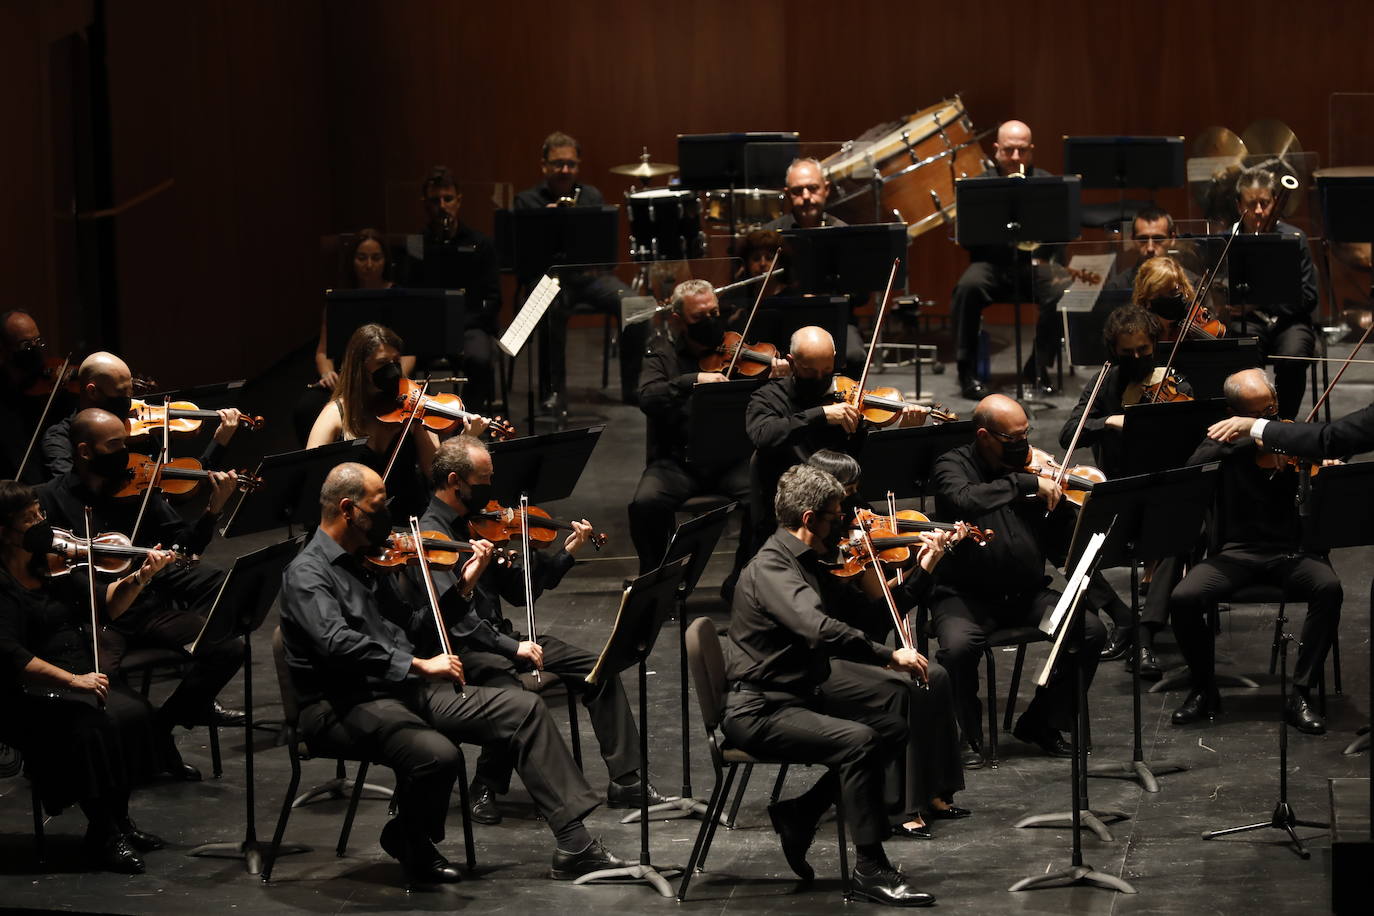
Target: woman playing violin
x,y
1162,287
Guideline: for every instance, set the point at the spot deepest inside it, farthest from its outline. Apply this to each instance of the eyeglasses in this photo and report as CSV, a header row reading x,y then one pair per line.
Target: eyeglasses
x,y
33,343
559,165
1008,438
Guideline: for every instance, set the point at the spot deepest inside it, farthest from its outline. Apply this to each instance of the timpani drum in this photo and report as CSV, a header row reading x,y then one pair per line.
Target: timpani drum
x,y
665,225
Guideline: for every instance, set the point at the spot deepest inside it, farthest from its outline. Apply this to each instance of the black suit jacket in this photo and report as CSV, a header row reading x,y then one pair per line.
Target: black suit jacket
x,y
1348,435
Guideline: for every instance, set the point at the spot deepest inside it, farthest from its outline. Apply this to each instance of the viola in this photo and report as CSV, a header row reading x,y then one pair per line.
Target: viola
x,y
749,360
438,412
498,524
114,553
882,406
1077,480
909,520
180,418
177,477
439,551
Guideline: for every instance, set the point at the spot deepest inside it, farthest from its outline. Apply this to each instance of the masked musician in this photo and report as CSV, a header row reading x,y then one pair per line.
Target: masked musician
x,y
791,698
24,387
1255,536
493,653
350,646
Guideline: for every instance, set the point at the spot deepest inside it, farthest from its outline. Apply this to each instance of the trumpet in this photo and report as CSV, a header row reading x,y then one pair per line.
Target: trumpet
x,y
569,201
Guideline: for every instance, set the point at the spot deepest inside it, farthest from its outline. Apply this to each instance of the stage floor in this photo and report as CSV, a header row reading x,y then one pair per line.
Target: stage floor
x,y
969,865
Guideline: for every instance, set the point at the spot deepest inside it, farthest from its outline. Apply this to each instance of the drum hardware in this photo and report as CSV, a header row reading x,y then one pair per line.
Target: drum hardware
x,y
644,169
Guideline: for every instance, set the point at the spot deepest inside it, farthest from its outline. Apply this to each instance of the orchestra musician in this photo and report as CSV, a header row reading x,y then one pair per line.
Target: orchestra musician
x,y
754,252
562,158
493,653
1284,329
85,740
169,612
23,355
789,699
985,483
1153,233
350,646
1255,537
995,273
1341,438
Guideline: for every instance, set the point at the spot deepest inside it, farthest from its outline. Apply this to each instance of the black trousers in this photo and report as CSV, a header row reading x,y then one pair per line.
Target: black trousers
x,y
931,766
667,484
169,615
607,706
855,736
962,623
417,733
1303,578
1285,338
983,283
602,292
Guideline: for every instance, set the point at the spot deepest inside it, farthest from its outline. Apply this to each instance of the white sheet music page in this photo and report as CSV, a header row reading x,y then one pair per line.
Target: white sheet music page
x,y
513,341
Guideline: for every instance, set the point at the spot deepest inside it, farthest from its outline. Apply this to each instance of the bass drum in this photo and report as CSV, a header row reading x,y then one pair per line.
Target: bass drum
x,y
753,207
665,225
918,161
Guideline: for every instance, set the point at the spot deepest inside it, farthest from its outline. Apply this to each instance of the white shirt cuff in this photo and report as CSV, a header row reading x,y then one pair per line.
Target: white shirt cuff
x,y
1257,431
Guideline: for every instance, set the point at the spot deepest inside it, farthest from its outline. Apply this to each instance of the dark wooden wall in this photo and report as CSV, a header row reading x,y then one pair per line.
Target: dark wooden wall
x,y
279,122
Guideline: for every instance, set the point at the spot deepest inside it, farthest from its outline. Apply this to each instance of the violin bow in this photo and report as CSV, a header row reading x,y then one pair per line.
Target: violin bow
x,y
744,335
1204,287
90,594
42,417
892,523
877,334
898,621
1082,421
1312,414
405,429
529,582
163,456
427,576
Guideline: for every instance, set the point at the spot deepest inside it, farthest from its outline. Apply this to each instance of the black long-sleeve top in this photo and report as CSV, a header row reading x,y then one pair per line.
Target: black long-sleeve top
x,y
1299,311
786,432
1342,437
43,623
787,620
666,381
1255,507
56,446
541,196
1013,562
1104,441
64,499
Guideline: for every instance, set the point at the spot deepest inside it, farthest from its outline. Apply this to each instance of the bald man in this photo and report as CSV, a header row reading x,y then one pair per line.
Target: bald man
x,y
1256,539
996,274
1004,584
807,190
22,357
790,418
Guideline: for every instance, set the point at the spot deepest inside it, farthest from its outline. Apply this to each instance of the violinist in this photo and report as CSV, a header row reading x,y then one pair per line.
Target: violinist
x,y
23,358
670,373
754,252
168,614
494,654
1004,585
350,642
85,740
790,699
925,781
1254,536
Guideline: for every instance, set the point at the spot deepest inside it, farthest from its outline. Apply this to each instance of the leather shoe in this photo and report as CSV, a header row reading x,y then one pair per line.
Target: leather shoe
x,y
483,808
1118,644
972,757
890,886
796,836
570,865
1150,668
1047,739
113,853
226,717
1201,704
972,388
1300,714
952,813
139,839
421,865
618,796
913,833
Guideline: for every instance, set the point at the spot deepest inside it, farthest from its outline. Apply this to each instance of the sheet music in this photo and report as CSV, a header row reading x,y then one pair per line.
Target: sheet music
x,y
1052,624
1081,296
594,675
513,341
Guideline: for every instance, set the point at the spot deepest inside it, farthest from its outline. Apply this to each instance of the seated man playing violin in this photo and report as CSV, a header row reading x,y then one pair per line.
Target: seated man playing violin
x,y
168,613
1255,533
987,483
494,655
26,381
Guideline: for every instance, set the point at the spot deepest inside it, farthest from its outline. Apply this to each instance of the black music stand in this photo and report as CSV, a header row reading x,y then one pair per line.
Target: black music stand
x,y
245,597
1206,364
1149,512
1263,271
694,540
290,491
430,322
544,468
752,159
716,438
1118,163
644,607
846,260
779,317
1160,437
1009,211
1080,815
901,459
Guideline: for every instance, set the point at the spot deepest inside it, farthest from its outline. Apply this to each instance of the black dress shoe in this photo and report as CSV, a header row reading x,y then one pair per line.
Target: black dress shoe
x,y
113,853
1047,739
971,756
139,839
421,862
952,813
570,865
483,808
1118,644
913,833
1300,714
1201,704
618,796
972,388
890,886
227,717
1150,668
796,835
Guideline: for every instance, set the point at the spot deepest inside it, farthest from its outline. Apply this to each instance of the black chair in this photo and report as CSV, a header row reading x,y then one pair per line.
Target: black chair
x,y
707,665
298,752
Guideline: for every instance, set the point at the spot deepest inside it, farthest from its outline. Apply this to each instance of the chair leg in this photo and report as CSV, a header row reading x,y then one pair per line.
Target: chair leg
x,y
40,838
713,808
353,799
290,797
606,352
573,729
992,706
469,848
739,796
714,822
1015,686
843,843
1336,663
1274,647
777,785
216,762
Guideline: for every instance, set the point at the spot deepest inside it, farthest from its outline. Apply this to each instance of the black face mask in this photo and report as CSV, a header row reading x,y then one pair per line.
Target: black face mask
x,y
111,465
811,391
38,538
388,378
477,497
831,542
29,362
1014,454
1136,368
1171,307
379,526
708,332
119,405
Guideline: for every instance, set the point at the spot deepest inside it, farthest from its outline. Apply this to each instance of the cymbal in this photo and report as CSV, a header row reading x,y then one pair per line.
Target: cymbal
x,y
1214,164
645,169
1271,137
1218,142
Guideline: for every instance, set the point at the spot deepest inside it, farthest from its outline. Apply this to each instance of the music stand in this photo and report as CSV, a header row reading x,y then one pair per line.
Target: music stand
x,y
1159,437
752,159
901,459
544,468
1119,163
716,437
1206,364
245,597
1263,271
290,491
430,322
847,260
644,607
779,317
1009,211
694,540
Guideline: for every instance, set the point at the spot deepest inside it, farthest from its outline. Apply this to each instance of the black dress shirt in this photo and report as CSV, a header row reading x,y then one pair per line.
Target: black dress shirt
x,y
1104,441
1004,255
56,446
666,381
788,221
64,499
1301,311
785,432
541,196
1255,507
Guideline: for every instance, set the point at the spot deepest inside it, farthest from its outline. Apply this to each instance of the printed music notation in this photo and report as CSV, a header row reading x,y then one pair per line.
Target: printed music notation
x,y
513,341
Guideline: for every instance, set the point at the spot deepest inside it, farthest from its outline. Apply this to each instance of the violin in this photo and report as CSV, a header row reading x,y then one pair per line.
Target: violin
x,y
913,521
749,360
1204,326
882,406
114,553
439,551
185,418
177,477
56,374
438,412
1160,388
498,524
1077,480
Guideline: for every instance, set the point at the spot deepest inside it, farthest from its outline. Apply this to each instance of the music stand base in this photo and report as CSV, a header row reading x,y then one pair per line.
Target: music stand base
x,y
1139,770
338,788
1178,677
1283,819
1361,742
1074,874
250,851
647,873
1089,819
671,810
